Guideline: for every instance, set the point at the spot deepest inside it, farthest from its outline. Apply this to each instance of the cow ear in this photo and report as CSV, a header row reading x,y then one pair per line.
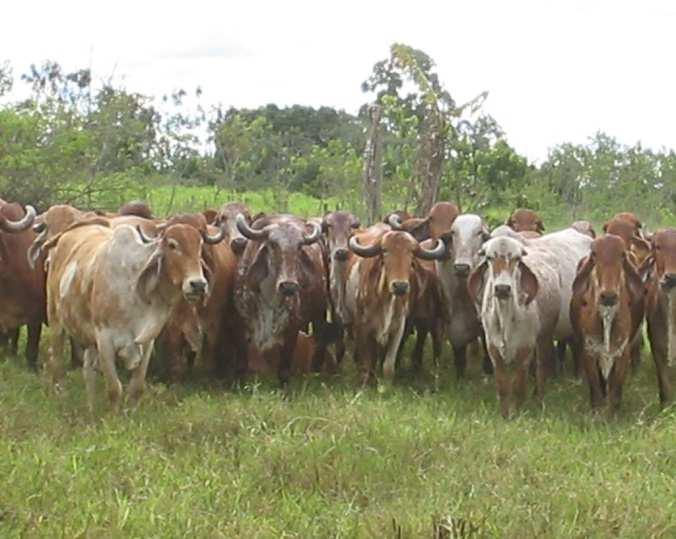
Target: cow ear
x,y
418,228
475,282
149,277
581,282
646,267
605,227
529,283
206,269
510,222
640,246
258,270
540,226
634,281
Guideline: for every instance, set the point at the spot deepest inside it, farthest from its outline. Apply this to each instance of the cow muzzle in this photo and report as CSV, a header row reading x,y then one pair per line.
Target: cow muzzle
x,y
399,288
195,289
608,298
237,245
340,255
502,291
288,288
668,282
461,269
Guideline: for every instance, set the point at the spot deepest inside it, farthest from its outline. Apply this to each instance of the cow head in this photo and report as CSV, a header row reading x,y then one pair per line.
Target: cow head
x,y
438,222
227,220
629,218
337,227
137,208
524,220
662,260
503,270
463,241
14,219
397,251
584,227
178,257
628,231
281,255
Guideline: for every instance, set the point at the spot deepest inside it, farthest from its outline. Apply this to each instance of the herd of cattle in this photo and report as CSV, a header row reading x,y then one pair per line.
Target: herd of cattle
x,y
274,292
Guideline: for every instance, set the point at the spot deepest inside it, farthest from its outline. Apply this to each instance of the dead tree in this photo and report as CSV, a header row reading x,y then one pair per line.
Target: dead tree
x,y
430,159
373,159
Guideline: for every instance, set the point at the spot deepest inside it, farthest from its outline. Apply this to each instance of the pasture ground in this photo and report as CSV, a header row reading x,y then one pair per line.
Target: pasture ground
x,y
201,460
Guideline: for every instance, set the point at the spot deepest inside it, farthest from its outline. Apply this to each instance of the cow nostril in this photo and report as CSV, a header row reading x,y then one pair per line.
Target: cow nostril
x,y
288,288
340,255
608,298
461,269
198,285
503,290
399,288
238,245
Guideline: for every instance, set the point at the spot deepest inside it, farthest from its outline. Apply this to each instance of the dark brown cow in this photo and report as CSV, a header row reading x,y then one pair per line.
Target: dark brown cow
x,y
337,228
22,289
280,287
525,220
382,290
606,311
660,268
226,220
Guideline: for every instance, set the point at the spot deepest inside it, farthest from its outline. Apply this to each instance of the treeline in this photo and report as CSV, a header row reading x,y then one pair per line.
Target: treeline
x,y
68,138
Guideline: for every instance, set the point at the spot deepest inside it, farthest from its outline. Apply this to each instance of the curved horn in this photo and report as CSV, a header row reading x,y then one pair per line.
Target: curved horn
x,y
432,254
394,221
22,224
216,238
314,235
248,232
35,250
38,228
144,238
360,250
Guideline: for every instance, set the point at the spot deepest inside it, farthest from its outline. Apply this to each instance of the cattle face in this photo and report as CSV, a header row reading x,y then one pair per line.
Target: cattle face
x,y
337,228
628,231
438,222
227,220
524,220
464,241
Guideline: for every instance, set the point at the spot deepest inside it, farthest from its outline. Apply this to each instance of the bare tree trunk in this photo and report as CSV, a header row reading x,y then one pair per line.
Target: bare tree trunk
x,y
430,161
373,158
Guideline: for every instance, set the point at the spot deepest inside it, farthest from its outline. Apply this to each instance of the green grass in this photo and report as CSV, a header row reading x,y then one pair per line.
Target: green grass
x,y
200,460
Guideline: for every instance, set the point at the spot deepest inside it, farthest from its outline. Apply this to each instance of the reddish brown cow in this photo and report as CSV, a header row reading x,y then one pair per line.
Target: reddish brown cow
x,y
383,288
280,288
525,220
629,218
660,268
606,311
22,289
437,222
137,208
623,227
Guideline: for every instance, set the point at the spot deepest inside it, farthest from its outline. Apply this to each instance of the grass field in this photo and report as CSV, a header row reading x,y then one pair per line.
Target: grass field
x,y
330,461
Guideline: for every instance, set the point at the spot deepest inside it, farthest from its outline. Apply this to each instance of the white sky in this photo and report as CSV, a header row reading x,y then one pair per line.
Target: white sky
x,y
556,70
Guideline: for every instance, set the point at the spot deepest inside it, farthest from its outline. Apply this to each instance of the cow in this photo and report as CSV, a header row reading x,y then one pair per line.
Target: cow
x,y
519,296
660,270
606,311
628,217
280,288
137,208
22,288
381,291
525,220
337,228
226,220
584,227
637,247
438,220
113,290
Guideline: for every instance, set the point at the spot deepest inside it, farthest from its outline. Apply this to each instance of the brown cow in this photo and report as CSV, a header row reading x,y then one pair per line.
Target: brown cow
x,y
438,221
227,220
113,290
626,229
137,208
382,289
22,289
525,220
630,218
280,287
661,309
606,311
337,228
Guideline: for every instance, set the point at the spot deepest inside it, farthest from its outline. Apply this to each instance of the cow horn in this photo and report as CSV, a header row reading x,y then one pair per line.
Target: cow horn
x,y
394,221
248,232
216,238
314,235
432,254
144,238
356,223
22,224
39,227
360,250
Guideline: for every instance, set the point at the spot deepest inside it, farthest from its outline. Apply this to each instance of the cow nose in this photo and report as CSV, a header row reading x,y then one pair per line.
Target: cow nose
x,y
503,290
399,288
288,288
608,299
237,245
669,281
340,255
461,269
198,286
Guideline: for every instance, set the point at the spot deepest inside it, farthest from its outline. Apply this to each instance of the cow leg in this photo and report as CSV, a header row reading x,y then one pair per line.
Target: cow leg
x,y
663,379
421,332
460,360
502,385
286,359
320,329
391,351
487,364
561,355
544,347
366,355
76,355
593,379
616,381
33,344
137,383
55,368
577,353
9,341
107,365
89,375
437,345
636,346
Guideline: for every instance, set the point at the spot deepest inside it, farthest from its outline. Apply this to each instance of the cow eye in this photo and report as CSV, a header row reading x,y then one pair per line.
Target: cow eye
x,y
173,245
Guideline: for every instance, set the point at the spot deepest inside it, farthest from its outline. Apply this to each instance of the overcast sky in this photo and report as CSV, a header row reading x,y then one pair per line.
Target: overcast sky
x,y
555,70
